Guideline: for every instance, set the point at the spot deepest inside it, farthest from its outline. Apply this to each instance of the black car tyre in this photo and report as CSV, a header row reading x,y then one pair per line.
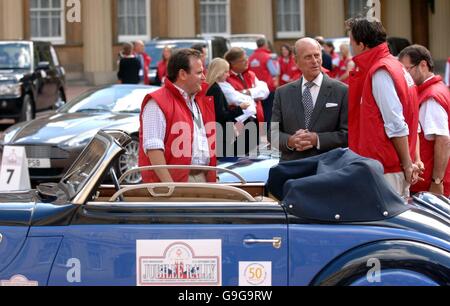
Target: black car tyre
x,y
128,161
27,113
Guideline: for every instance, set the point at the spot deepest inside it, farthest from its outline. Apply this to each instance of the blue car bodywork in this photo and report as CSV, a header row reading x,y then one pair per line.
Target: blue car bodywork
x,y
75,233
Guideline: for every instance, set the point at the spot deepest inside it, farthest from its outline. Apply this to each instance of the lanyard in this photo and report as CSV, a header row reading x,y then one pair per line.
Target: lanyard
x,y
198,120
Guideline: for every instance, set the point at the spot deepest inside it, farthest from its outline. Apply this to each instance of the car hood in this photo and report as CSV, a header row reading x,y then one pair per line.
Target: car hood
x,y
253,170
59,128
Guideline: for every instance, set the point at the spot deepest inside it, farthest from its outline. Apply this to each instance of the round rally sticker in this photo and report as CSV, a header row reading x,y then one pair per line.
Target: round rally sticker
x,y
255,274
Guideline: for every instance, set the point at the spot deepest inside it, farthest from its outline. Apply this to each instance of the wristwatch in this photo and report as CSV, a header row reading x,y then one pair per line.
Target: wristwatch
x,y
437,181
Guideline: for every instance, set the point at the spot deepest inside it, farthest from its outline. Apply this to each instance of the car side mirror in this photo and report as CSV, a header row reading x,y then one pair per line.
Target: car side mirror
x,y
43,66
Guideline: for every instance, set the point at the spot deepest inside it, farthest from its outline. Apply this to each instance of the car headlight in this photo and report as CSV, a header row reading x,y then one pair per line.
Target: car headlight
x,y
11,90
81,140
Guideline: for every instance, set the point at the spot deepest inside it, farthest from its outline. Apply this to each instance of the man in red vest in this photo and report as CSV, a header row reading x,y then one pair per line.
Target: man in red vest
x,y
178,123
434,99
246,82
383,106
267,70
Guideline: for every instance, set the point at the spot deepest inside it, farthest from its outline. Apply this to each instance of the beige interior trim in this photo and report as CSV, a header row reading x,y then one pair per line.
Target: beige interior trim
x,y
186,191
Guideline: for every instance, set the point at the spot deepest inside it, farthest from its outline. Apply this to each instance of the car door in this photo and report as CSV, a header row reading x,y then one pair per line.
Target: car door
x,y
47,92
208,244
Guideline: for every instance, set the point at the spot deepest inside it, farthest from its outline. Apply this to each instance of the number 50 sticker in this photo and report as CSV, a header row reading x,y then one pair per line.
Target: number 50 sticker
x,y
255,274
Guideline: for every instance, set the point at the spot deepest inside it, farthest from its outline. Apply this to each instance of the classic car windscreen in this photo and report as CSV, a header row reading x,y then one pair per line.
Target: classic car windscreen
x,y
79,174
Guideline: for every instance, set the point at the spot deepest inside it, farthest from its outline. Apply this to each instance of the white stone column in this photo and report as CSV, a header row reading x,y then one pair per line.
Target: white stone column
x,y
181,18
97,42
332,18
398,18
439,32
11,19
259,19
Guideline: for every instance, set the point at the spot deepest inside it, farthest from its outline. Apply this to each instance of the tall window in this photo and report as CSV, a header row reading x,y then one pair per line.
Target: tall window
x,y
133,19
215,16
290,18
47,20
356,8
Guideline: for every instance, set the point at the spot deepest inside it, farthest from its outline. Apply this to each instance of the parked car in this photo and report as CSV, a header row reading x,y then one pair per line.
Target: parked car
x,y
31,79
82,233
217,47
53,142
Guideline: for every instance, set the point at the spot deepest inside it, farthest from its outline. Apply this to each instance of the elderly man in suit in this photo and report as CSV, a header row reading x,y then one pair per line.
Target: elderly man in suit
x,y
312,113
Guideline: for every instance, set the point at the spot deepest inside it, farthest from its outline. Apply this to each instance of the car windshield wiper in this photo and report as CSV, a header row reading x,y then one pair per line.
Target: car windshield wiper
x,y
136,111
93,110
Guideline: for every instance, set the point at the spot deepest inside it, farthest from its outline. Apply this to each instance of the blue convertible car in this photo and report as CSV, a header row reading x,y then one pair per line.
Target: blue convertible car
x,y
79,232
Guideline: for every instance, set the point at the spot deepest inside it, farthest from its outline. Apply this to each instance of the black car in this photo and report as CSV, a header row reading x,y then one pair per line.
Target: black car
x,y
31,79
217,47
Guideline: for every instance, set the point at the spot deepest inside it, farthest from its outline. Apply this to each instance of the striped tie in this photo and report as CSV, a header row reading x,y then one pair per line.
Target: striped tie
x,y
308,103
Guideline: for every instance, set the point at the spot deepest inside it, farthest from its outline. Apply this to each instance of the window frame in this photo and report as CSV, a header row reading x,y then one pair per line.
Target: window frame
x,y
55,40
227,19
292,34
128,38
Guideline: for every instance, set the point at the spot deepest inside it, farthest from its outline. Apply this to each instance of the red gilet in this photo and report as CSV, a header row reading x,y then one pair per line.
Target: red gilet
x,y
175,110
437,90
258,64
249,82
289,68
367,135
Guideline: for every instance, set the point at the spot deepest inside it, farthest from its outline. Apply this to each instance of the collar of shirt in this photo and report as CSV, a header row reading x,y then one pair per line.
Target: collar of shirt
x,y
189,100
429,78
317,81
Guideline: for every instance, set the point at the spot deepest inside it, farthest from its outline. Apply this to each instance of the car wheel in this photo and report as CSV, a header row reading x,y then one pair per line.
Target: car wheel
x,y
27,113
61,100
128,161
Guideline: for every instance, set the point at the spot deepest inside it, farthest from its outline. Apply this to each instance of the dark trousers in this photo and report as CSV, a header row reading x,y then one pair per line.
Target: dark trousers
x,y
267,107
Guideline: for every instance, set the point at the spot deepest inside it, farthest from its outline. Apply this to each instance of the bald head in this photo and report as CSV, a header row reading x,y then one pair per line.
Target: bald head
x,y
308,54
306,42
139,46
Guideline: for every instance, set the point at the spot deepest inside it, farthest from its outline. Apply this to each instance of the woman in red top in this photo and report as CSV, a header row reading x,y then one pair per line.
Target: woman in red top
x,y
162,64
289,71
346,64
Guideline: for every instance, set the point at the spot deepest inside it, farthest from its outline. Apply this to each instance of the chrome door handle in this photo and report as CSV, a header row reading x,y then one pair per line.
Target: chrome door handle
x,y
1,238
276,241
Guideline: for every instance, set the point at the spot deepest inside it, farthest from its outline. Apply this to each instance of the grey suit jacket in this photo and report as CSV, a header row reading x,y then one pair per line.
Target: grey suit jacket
x,y
329,119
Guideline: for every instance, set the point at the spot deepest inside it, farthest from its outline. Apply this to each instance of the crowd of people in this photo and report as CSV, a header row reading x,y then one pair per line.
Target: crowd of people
x,y
394,110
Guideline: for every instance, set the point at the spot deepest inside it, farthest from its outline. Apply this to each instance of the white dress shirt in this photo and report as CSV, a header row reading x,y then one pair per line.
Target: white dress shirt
x,y
315,90
155,124
260,91
236,98
433,118
386,97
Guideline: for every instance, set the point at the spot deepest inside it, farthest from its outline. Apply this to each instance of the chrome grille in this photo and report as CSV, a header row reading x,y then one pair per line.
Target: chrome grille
x,y
46,152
